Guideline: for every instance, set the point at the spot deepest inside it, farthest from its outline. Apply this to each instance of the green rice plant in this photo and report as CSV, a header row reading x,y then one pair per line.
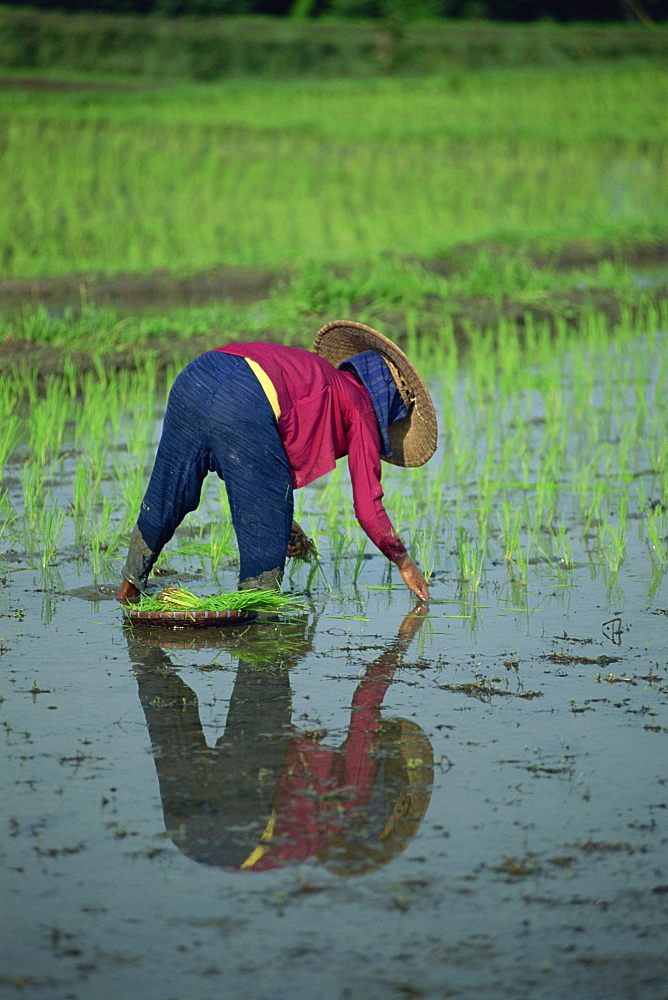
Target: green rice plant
x,y
657,536
8,519
470,557
97,414
510,523
48,529
655,581
106,537
139,444
129,491
422,549
657,450
84,500
180,599
593,503
555,547
546,501
33,481
581,484
359,561
518,567
47,416
613,539
212,543
222,544
9,436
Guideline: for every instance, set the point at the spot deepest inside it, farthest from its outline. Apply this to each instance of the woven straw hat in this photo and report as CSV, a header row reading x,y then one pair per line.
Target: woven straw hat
x,y
413,438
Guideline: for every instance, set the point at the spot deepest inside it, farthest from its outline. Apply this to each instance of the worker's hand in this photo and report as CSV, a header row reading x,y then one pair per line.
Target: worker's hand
x,y
412,622
412,576
127,593
296,533
300,546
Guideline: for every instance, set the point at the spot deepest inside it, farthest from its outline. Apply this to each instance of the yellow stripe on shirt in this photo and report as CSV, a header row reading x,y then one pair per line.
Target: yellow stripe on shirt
x,y
267,385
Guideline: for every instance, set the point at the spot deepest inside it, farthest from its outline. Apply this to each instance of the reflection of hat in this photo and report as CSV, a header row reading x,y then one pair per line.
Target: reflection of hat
x,y
398,803
413,438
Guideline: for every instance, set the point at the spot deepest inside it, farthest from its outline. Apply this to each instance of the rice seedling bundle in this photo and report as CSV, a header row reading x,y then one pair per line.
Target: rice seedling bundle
x,y
180,599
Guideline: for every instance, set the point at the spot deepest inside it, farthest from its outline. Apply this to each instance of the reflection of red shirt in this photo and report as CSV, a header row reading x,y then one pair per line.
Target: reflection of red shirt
x,y
326,414
319,785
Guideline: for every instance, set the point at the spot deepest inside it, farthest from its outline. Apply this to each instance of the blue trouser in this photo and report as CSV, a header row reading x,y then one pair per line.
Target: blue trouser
x,y
218,420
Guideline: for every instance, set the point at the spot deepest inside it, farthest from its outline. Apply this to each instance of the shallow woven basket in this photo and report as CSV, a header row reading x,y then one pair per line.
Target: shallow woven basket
x,y
171,618
413,439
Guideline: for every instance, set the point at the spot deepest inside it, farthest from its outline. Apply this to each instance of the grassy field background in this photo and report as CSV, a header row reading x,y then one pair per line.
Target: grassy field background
x,y
268,174
145,211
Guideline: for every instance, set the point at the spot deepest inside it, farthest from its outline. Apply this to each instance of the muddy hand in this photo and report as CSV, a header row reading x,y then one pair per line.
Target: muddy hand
x,y
296,532
412,576
127,593
412,622
300,546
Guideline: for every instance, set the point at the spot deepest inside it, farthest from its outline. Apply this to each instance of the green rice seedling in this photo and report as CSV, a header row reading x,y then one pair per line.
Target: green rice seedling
x,y
49,528
510,522
33,496
339,543
657,450
94,436
8,519
84,500
423,550
519,566
139,440
106,538
470,557
581,484
47,416
545,502
222,544
9,437
180,599
129,491
657,537
554,546
593,512
613,539
359,561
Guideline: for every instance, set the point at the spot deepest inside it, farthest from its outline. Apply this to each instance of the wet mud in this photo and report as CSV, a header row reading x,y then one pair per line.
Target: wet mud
x,y
132,292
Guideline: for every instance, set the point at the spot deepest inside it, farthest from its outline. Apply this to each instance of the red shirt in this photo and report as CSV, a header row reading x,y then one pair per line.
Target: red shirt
x,y
326,414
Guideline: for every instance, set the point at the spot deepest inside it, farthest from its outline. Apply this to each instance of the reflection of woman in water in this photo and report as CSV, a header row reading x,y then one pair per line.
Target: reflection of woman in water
x,y
267,794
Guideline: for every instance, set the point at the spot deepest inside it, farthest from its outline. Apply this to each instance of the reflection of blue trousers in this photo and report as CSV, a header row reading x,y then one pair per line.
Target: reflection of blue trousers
x,y
219,420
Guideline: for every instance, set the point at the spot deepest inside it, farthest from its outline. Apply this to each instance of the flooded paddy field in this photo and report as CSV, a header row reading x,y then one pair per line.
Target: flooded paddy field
x,y
368,799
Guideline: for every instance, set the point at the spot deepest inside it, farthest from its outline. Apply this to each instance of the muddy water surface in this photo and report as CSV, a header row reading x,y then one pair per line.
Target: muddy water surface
x,y
494,826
